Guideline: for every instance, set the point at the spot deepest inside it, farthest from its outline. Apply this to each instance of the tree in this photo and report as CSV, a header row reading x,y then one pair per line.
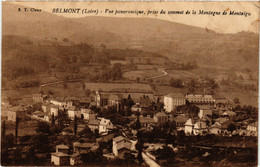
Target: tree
x,y
52,120
75,125
139,147
17,121
231,127
177,83
137,124
43,127
3,129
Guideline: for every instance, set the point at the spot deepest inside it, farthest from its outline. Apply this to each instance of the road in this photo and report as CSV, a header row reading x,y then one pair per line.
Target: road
x,y
149,160
157,76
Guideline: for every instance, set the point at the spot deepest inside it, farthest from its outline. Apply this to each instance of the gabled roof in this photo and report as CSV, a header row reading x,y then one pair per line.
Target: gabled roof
x,y
181,119
215,125
221,120
200,125
118,138
104,121
161,114
175,95
255,124
94,122
60,154
122,142
190,122
83,145
114,97
62,146
146,120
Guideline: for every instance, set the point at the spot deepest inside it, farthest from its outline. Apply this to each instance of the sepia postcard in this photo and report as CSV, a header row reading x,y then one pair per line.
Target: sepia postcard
x,y
149,84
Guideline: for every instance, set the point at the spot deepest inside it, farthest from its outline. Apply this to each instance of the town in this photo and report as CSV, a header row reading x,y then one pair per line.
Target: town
x,y
127,127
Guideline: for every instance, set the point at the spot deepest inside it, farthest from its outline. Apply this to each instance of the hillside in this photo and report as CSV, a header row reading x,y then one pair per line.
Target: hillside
x,y
176,41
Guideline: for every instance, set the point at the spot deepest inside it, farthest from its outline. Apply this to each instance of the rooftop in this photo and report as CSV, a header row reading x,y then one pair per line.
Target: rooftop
x,y
60,154
62,146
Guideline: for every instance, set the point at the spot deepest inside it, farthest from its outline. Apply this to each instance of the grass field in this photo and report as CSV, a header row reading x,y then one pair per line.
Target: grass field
x,y
116,86
132,75
245,97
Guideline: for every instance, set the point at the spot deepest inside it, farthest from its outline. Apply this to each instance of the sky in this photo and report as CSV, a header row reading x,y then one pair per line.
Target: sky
x,y
220,23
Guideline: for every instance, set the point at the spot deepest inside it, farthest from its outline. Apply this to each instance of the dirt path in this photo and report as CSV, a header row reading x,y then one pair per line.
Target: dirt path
x,y
149,160
157,76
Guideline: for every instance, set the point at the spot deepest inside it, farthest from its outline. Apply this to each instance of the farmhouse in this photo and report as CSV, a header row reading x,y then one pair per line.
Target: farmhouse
x,y
60,158
121,146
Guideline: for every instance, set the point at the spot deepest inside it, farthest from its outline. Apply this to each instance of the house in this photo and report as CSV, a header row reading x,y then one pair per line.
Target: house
x,y
173,100
160,118
79,147
252,127
10,114
136,108
115,100
223,104
215,128
200,99
105,125
121,146
93,125
54,110
145,102
204,111
62,148
74,112
188,126
41,116
221,120
88,114
60,158
101,99
200,128
180,122
229,114
146,121
76,158
38,97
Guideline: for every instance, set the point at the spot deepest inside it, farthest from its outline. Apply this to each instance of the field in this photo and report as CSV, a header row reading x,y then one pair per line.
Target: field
x,y
132,75
245,97
117,86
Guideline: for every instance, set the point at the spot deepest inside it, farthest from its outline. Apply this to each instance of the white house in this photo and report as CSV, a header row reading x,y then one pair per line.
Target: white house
x,y
60,158
188,126
88,114
54,110
105,125
72,112
121,146
252,127
173,100
215,128
200,128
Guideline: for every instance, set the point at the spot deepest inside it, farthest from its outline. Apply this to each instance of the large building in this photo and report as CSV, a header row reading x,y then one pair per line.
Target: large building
x,y
173,100
200,99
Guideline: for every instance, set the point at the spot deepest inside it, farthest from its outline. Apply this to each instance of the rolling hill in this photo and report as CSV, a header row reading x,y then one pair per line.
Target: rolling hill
x,y
178,42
